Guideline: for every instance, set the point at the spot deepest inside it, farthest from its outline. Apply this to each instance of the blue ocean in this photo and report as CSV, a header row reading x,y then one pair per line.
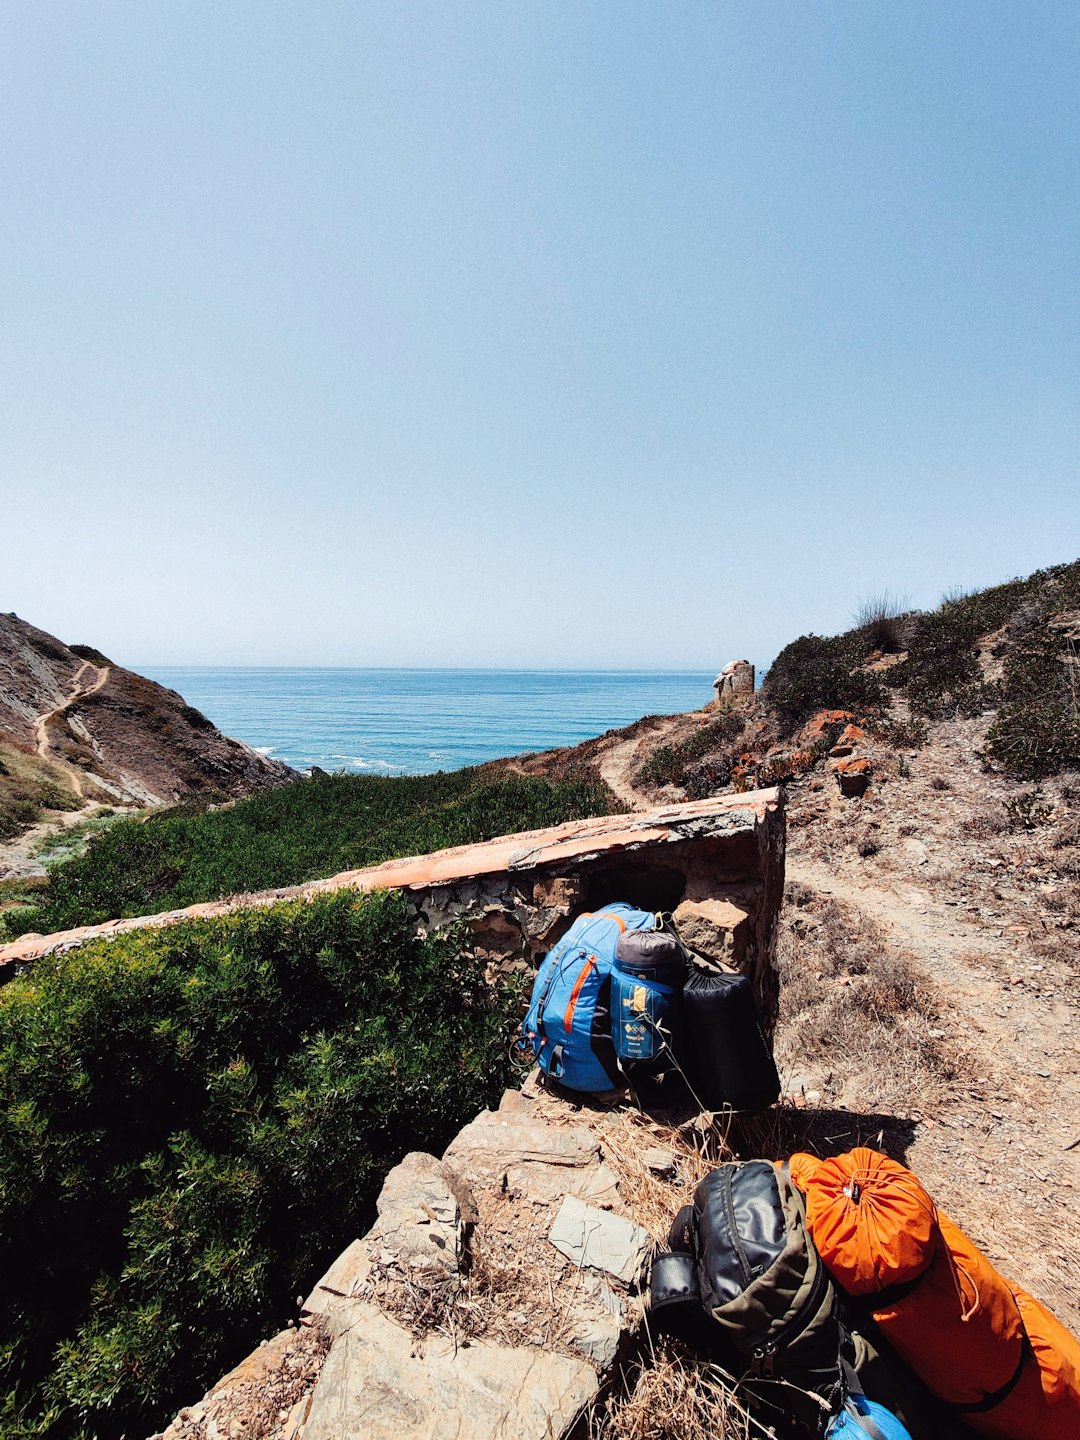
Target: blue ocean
x,y
410,722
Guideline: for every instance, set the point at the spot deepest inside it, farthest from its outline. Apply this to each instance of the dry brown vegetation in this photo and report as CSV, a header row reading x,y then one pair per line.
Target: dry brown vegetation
x,y
667,1395
849,999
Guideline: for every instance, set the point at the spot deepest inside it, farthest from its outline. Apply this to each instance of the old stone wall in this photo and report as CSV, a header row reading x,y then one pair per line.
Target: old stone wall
x,y
520,892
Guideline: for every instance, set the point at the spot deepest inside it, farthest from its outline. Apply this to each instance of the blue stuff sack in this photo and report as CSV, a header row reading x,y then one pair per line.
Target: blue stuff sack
x,y
863,1419
568,1024
646,988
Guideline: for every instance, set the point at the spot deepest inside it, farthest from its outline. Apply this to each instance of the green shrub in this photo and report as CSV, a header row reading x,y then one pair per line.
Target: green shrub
x,y
195,718
941,674
1034,740
820,673
195,1120
87,652
680,764
901,734
1037,728
47,646
665,766
298,832
1028,809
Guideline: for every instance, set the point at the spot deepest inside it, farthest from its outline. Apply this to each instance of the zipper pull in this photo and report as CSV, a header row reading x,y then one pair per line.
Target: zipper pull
x,y
764,1358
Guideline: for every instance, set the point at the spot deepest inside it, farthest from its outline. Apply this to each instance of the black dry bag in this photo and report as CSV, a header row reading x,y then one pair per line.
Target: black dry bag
x,y
728,1060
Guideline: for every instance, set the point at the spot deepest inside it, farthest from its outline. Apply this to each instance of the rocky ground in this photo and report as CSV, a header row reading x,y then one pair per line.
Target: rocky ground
x,y
969,885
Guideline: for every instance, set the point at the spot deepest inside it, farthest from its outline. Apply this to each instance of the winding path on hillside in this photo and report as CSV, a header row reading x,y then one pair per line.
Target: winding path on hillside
x,y
41,724
617,765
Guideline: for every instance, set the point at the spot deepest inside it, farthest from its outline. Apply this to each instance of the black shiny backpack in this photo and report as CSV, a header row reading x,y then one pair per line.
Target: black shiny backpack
x,y
743,1283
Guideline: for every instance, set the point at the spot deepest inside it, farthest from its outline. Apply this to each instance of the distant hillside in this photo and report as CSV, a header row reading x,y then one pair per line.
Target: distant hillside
x,y
1008,656
74,727
1013,649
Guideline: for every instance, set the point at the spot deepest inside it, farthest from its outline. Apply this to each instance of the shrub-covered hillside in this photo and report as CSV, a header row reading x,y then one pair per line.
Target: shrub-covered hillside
x,y
1014,648
299,832
192,1120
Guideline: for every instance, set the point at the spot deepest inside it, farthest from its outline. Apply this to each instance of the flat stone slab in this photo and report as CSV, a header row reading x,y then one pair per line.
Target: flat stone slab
x,y
533,1157
424,1211
380,1383
600,1241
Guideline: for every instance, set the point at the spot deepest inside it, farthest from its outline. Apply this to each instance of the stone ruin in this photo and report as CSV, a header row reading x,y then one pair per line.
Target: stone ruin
x,y
736,678
500,1288
717,864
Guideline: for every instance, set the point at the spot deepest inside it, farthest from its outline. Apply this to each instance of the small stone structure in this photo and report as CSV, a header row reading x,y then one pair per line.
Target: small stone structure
x,y
717,863
736,678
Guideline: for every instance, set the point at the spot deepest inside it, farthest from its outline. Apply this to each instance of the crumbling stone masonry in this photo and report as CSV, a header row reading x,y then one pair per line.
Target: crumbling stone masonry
x,y
736,678
717,864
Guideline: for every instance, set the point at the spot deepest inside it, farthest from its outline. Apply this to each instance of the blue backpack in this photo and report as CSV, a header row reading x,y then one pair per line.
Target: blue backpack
x,y
568,1025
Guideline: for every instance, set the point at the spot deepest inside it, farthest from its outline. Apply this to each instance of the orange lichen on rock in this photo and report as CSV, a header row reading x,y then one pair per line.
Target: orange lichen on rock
x,y
818,726
853,776
848,738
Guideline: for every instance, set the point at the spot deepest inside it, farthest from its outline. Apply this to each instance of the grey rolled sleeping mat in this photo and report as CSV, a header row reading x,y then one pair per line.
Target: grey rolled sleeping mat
x,y
674,1014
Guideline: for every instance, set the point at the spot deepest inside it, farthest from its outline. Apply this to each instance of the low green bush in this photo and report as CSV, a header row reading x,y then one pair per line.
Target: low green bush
x,y
696,763
87,652
817,672
665,766
901,734
298,832
194,1121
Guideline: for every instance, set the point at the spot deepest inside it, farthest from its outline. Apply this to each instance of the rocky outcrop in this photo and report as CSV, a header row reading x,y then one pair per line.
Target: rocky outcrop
x,y
853,776
735,679
111,735
495,1296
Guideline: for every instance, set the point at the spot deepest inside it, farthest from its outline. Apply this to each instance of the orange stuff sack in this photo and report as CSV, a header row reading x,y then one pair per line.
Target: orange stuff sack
x,y
996,1357
1046,1400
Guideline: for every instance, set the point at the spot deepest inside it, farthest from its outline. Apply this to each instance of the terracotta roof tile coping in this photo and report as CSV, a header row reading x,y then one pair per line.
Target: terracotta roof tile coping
x,y
721,814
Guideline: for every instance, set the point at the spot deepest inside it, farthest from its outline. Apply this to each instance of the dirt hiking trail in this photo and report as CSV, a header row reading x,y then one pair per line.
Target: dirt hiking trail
x,y
975,904
41,724
618,763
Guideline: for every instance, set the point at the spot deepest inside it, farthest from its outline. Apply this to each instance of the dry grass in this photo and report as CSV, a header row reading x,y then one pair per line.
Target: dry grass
x,y
883,618
652,1199
514,1288
667,1395
982,823
853,1003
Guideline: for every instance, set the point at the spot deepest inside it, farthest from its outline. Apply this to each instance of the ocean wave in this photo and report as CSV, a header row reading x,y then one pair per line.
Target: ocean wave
x,y
335,763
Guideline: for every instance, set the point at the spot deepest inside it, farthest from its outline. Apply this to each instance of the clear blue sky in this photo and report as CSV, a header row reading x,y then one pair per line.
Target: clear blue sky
x,y
529,333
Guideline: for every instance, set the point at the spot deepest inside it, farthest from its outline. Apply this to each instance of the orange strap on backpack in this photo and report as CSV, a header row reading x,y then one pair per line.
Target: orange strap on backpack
x,y
988,1351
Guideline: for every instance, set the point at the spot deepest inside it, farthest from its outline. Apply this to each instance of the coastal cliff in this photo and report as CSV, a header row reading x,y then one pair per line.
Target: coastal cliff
x,y
76,728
